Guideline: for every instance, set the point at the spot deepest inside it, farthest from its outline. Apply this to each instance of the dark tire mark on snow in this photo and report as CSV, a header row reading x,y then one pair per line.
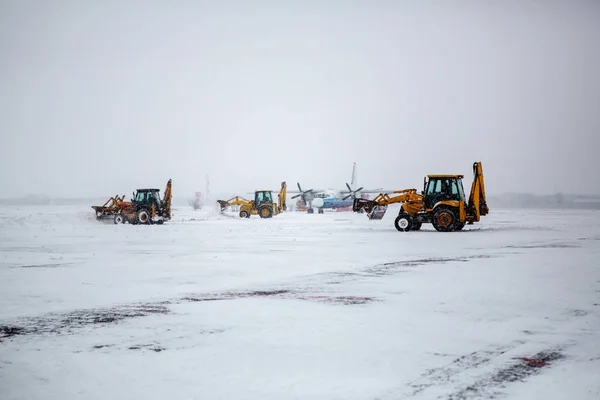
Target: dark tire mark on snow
x,y
589,238
235,295
545,246
56,265
397,266
578,313
447,374
525,367
64,323
281,294
101,346
8,331
151,347
347,300
487,386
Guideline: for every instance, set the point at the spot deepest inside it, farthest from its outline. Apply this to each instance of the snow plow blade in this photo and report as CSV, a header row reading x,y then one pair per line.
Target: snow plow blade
x,y
362,205
223,204
377,212
109,209
373,210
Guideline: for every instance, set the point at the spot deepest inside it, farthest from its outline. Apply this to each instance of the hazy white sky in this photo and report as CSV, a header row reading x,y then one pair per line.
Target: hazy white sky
x,y
102,97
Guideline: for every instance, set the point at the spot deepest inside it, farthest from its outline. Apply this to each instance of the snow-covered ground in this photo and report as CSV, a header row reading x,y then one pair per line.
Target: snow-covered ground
x,y
210,306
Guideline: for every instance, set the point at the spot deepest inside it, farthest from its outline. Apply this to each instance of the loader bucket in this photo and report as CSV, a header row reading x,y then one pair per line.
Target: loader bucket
x,y
359,205
377,212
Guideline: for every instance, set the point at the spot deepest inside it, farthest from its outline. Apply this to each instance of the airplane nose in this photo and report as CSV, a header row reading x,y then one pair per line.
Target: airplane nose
x,y
318,202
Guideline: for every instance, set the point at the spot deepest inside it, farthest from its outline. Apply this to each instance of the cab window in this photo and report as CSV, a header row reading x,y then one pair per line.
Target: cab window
x,y
435,186
461,191
454,187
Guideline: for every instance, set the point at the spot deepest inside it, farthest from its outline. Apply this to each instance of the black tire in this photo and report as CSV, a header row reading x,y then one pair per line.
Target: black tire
x,y
444,219
310,210
265,212
321,211
404,222
119,219
143,216
458,226
244,214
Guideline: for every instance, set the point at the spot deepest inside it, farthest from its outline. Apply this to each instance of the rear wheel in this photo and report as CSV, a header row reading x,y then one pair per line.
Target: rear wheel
x,y
143,216
403,222
444,219
265,212
458,226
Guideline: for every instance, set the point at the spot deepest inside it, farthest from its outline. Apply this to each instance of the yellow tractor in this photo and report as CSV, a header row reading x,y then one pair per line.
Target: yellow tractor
x,y
262,205
441,203
146,207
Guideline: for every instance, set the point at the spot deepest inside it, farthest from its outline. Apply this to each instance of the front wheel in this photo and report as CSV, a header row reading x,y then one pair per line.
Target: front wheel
x,y
119,219
403,222
244,214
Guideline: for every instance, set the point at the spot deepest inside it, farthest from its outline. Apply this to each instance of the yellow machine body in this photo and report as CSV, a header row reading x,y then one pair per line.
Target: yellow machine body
x,y
262,205
442,203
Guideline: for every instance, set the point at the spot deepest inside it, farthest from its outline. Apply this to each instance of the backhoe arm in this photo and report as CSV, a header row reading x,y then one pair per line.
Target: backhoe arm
x,y
477,205
282,197
167,197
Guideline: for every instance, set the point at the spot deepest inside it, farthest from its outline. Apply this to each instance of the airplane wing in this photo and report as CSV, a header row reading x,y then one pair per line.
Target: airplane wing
x,y
381,190
349,189
313,191
301,190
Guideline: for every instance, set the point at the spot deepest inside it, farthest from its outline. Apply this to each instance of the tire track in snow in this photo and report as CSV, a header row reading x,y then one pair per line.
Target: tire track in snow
x,y
68,322
488,371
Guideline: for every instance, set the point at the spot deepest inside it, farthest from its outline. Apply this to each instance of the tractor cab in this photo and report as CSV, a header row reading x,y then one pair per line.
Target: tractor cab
x,y
263,197
145,198
442,187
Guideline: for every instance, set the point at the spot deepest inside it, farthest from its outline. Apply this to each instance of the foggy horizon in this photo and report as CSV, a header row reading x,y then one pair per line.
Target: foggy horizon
x,y
100,99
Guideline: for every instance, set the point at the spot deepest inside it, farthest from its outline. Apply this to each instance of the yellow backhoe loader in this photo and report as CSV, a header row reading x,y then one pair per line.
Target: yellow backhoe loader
x,y
146,207
441,203
262,205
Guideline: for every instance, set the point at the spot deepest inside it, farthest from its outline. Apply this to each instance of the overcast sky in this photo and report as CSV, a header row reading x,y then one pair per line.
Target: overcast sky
x,y
102,97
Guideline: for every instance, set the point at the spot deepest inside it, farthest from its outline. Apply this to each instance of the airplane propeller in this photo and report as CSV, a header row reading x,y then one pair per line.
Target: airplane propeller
x,y
352,193
302,192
